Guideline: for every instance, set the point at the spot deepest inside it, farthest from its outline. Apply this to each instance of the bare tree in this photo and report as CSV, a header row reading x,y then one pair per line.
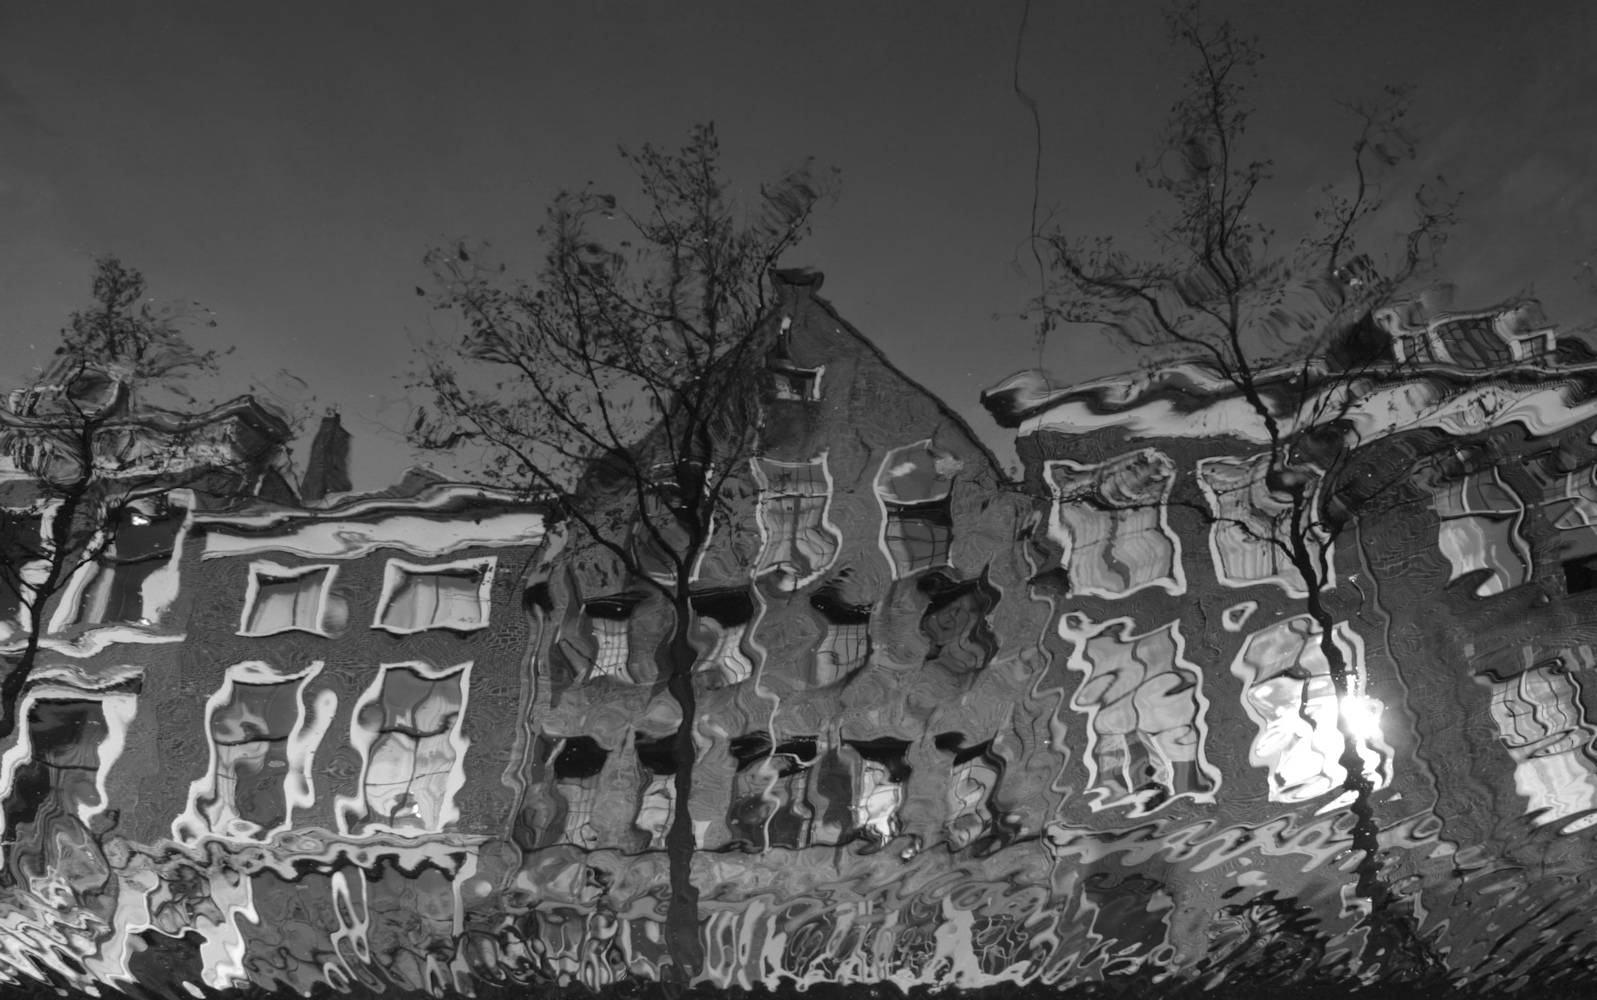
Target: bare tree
x,y
99,438
1208,282
615,387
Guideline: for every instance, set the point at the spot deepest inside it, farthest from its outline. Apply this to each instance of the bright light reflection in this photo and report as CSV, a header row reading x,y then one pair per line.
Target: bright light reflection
x,y
1363,717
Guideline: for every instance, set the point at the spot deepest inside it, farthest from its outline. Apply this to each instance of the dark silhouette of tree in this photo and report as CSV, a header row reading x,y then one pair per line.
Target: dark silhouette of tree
x,y
101,436
1286,325
615,388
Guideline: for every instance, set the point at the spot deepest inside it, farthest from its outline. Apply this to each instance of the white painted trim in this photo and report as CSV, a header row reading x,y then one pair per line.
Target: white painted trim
x,y
260,568
298,785
394,572
343,538
352,809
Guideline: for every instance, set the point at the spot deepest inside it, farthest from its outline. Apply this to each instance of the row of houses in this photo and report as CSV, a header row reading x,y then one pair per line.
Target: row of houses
x,y
950,727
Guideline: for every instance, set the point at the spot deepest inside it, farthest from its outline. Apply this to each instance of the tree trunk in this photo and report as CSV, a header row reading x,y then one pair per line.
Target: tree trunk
x,y
682,915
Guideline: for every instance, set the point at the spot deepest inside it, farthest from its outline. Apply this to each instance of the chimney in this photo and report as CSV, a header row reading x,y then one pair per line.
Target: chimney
x,y
328,468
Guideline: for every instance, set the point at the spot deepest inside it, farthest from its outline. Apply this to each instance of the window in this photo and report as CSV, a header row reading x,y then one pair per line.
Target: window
x,y
121,583
1569,501
1472,342
1480,519
959,636
657,804
577,767
22,539
406,728
1288,693
915,487
724,618
884,770
1253,525
799,541
975,775
796,384
54,781
769,791
846,642
453,595
1541,722
283,599
1145,709
1109,520
610,619
261,750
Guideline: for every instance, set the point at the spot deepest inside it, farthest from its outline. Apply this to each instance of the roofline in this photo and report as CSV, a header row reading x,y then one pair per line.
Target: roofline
x,y
440,498
948,413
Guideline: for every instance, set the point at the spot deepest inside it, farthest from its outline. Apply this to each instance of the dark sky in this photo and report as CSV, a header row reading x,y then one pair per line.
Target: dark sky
x,y
288,164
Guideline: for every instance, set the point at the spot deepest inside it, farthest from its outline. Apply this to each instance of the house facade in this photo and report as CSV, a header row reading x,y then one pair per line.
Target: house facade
x,y
951,729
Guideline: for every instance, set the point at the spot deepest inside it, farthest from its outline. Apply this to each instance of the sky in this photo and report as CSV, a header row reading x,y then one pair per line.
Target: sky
x,y
287,165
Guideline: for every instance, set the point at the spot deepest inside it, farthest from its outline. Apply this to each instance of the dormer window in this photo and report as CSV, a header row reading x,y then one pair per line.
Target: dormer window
x,y
286,599
796,384
418,597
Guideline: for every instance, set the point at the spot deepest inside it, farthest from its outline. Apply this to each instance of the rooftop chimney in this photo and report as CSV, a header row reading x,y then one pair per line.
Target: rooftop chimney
x,y
328,468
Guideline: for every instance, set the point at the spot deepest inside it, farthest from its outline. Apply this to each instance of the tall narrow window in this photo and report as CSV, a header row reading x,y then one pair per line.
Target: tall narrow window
x,y
846,643
799,541
452,596
1542,724
1145,709
1109,521
724,616
1288,693
22,538
261,754
143,543
884,770
959,637
657,803
406,727
610,619
577,767
45,835
770,805
1480,521
284,599
1251,538
915,488
975,775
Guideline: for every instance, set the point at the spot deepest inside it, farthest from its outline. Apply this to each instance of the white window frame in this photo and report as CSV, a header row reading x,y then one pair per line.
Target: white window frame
x,y
784,370
353,810
1079,631
67,684
277,571
887,501
767,521
303,739
1286,576
393,575
1173,582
